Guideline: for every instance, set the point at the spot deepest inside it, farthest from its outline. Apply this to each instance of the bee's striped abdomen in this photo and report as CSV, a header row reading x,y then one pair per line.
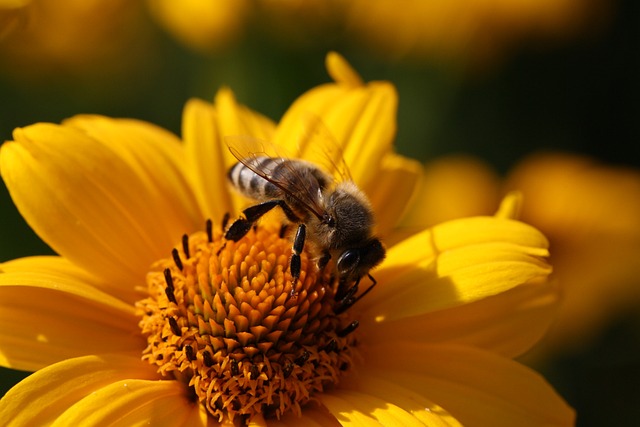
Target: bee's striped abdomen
x,y
251,184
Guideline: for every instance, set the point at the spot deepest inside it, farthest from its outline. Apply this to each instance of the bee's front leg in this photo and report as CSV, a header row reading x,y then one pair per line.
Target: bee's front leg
x,y
241,226
298,246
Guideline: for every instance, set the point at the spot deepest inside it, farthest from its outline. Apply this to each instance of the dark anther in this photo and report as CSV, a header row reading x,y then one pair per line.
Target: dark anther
x,y
218,403
185,246
255,372
344,304
235,369
225,220
168,278
330,347
283,230
255,228
346,331
191,394
176,258
209,227
170,296
207,358
174,326
301,360
287,369
188,351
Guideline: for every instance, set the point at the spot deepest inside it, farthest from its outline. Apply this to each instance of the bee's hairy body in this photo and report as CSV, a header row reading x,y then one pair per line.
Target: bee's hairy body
x,y
336,217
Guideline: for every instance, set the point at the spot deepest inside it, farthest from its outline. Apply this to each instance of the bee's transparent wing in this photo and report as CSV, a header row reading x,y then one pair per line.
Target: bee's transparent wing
x,y
318,143
248,151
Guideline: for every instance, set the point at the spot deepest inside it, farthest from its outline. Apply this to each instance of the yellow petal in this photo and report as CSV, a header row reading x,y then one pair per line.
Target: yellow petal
x,y
420,407
390,195
360,119
204,129
43,396
510,206
49,313
156,155
456,262
132,402
341,72
476,387
312,415
509,323
88,202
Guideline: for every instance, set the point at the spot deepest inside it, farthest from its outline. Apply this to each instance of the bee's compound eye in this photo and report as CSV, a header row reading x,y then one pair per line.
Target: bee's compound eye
x,y
348,261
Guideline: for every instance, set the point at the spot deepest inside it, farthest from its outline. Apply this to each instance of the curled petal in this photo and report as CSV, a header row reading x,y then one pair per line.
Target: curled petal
x,y
454,263
49,312
204,129
91,201
396,396
360,119
509,323
391,193
131,402
476,387
43,396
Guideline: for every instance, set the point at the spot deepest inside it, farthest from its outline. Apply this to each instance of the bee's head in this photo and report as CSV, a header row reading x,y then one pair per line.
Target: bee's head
x,y
354,263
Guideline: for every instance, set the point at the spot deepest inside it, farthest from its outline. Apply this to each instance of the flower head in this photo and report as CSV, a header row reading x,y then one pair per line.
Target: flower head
x,y
151,315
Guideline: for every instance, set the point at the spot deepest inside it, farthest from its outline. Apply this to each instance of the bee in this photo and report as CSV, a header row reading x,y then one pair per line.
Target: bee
x,y
335,216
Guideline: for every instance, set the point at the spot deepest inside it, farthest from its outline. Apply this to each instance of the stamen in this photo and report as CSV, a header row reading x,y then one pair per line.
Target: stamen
x,y
185,246
173,323
168,278
176,258
235,370
302,358
330,347
283,230
346,331
170,295
207,358
188,351
209,228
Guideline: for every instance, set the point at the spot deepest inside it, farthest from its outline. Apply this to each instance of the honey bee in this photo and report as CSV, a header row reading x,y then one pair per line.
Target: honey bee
x,y
335,216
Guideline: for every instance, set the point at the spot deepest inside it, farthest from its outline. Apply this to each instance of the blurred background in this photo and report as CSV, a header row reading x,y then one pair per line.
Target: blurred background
x,y
543,96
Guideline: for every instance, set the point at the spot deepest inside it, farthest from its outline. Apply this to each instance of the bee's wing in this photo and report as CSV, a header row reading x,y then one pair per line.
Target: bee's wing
x,y
298,186
317,142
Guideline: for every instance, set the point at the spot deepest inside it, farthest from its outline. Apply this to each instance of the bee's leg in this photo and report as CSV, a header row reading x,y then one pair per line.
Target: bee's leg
x,y
241,226
298,246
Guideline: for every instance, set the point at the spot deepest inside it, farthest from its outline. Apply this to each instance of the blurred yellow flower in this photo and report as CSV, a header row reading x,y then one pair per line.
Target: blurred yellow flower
x,y
465,30
589,212
203,25
216,334
462,30
76,33
72,37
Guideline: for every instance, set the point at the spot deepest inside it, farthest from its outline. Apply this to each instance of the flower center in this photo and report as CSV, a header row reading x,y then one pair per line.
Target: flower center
x,y
225,318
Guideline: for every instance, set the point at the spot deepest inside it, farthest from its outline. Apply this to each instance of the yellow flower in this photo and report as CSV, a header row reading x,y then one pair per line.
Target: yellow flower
x,y
588,211
219,333
71,37
591,216
462,30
